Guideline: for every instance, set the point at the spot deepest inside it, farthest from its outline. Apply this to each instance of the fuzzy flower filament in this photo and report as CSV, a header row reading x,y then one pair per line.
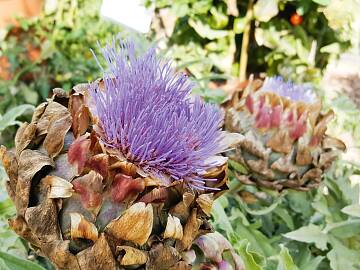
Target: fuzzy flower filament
x,y
288,89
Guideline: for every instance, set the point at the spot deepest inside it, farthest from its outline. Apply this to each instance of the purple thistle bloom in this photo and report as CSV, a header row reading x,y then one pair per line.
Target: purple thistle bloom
x,y
288,89
146,114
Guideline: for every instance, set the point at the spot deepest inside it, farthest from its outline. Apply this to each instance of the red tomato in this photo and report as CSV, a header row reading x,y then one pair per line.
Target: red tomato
x,y
296,19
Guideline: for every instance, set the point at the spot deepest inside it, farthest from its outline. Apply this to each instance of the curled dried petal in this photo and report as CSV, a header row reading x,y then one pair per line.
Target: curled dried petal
x,y
134,225
81,228
59,187
173,228
131,256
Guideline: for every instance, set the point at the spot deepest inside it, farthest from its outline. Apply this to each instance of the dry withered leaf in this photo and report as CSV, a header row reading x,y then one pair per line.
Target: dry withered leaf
x,y
52,111
59,254
59,187
261,167
81,228
205,201
99,256
284,164
43,222
159,219
19,225
131,256
313,174
24,136
134,225
173,228
321,127
327,158
191,231
250,144
182,209
89,187
215,171
150,181
10,191
303,155
76,101
10,164
155,195
333,143
54,140
80,88
38,112
280,142
221,182
81,121
162,257
72,205
30,162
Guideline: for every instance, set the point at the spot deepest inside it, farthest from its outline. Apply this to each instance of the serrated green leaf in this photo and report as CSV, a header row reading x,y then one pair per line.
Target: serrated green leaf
x,y
309,234
264,210
306,261
352,210
9,118
3,265
264,10
220,216
285,260
239,25
247,256
331,48
341,257
259,242
205,31
344,229
13,262
285,216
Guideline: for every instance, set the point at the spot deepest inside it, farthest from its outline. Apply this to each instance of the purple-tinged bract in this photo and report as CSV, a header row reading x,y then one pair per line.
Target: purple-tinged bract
x,y
289,89
147,114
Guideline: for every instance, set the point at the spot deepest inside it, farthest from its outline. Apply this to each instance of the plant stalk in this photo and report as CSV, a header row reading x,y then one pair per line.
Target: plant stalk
x,y
245,42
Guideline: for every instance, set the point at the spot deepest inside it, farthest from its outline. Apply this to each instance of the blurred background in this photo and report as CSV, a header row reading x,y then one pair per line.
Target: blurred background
x,y
46,44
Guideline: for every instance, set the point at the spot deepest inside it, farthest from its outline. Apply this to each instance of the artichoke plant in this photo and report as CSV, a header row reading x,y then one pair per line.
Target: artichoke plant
x,y
284,143
121,173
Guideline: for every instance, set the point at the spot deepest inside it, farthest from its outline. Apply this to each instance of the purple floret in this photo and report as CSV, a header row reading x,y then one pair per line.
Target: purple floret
x,y
295,92
148,115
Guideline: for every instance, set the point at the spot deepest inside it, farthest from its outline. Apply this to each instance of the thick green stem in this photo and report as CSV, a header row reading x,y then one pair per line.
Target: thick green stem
x,y
245,42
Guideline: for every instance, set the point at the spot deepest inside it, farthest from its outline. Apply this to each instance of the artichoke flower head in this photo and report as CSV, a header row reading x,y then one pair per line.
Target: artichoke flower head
x,y
122,172
147,116
284,144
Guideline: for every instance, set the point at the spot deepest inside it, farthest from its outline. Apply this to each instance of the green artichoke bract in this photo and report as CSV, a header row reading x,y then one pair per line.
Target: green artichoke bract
x,y
284,143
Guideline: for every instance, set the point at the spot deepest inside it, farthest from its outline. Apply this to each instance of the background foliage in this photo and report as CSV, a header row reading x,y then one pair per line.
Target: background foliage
x,y
209,39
